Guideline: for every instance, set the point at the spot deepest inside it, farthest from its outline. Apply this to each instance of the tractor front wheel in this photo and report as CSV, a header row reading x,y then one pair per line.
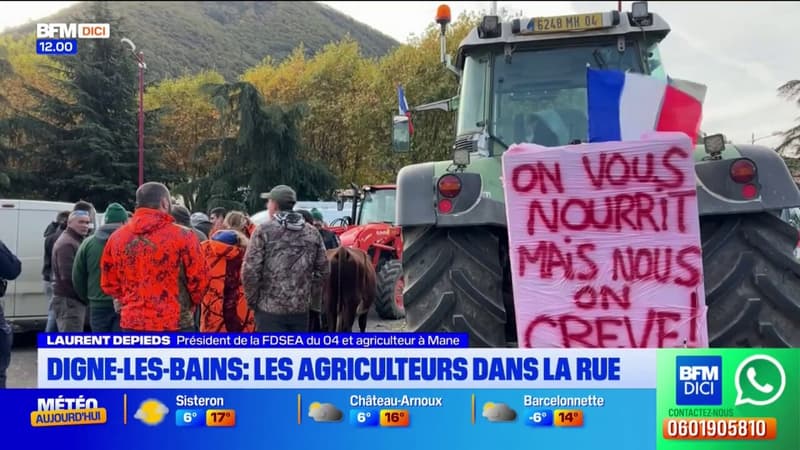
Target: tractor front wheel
x,y
454,283
389,301
752,281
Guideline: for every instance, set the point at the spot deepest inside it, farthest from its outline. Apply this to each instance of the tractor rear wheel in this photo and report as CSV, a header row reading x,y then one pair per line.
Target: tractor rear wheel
x,y
389,301
752,281
454,283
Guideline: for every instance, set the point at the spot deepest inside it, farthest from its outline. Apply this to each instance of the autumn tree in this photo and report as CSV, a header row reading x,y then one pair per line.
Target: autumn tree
x,y
186,119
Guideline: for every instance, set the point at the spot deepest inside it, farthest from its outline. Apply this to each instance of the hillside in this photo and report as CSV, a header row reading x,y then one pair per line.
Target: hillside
x,y
180,38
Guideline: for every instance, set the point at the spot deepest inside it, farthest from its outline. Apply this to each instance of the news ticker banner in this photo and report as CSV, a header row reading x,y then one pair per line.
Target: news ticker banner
x,y
636,398
393,419
327,361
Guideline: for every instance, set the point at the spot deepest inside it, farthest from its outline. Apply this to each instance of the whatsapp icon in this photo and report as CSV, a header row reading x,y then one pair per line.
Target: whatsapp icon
x,y
760,381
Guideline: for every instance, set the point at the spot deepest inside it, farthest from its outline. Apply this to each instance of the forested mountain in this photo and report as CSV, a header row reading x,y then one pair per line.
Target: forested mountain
x,y
184,38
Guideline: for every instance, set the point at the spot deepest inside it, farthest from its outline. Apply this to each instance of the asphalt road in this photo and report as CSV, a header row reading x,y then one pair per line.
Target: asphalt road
x,y
22,371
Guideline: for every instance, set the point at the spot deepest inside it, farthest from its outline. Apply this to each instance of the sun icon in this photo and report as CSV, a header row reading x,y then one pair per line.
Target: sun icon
x,y
313,406
151,412
488,405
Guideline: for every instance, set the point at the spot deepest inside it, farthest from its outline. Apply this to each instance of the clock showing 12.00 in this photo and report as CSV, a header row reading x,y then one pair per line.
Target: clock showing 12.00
x,y
56,46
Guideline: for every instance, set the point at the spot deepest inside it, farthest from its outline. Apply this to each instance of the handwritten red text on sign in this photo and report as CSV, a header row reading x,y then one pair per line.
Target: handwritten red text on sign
x,y
605,244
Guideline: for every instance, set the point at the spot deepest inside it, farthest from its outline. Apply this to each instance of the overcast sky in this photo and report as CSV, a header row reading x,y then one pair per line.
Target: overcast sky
x,y
741,50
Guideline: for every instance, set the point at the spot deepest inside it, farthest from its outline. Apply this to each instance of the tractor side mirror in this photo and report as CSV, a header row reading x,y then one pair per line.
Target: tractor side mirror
x,y
401,137
340,203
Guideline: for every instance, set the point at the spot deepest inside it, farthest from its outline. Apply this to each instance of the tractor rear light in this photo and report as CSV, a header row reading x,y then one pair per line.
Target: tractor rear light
x,y
743,171
749,191
449,186
445,206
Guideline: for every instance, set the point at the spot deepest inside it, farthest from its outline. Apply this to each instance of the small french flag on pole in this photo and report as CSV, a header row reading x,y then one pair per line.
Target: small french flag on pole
x,y
404,111
623,106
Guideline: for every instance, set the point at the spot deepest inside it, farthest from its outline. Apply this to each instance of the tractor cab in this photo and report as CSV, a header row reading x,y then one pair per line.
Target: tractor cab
x,y
371,228
377,205
525,81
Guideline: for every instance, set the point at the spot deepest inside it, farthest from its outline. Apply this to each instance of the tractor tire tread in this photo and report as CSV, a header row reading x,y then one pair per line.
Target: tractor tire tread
x,y
752,280
454,283
385,305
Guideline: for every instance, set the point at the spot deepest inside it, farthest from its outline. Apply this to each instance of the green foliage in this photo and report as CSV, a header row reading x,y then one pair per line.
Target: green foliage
x,y
84,144
263,151
316,119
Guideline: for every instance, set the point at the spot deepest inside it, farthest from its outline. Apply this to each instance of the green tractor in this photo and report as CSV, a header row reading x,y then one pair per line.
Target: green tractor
x,y
452,213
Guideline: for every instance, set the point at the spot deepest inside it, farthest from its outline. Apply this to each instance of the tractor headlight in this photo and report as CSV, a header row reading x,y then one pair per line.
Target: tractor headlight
x,y
714,144
461,157
640,14
639,10
489,27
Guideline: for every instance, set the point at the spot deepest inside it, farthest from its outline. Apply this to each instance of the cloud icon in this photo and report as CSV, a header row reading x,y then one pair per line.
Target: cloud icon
x,y
498,412
324,412
151,412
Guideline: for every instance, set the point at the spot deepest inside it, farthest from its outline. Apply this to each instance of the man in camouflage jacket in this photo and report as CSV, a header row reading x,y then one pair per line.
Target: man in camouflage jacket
x,y
284,264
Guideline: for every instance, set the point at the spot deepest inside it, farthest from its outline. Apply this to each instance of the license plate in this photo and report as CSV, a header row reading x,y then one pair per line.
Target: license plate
x,y
557,24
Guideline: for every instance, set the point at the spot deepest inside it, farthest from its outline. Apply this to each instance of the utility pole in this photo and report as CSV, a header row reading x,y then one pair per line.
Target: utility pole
x,y
142,66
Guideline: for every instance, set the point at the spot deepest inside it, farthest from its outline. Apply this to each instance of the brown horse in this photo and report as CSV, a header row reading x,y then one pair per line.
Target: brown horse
x,y
350,289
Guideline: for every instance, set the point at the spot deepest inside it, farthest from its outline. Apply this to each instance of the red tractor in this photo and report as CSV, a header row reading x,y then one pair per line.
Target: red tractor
x,y
372,229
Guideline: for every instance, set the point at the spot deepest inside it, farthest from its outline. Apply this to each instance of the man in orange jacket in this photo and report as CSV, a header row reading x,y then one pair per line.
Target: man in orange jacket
x,y
140,261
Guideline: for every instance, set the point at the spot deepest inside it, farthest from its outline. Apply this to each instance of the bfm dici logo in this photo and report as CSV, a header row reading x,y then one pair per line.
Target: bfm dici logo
x,y
698,380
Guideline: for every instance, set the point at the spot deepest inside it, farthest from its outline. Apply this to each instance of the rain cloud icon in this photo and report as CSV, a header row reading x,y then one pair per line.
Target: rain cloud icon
x,y
324,412
498,412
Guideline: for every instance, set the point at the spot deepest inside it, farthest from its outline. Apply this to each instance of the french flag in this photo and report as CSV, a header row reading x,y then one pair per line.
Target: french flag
x,y
404,111
623,106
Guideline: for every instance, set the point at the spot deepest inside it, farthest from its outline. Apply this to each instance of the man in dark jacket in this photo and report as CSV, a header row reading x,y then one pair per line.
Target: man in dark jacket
x,y
10,268
201,222
184,219
51,233
103,317
70,310
329,237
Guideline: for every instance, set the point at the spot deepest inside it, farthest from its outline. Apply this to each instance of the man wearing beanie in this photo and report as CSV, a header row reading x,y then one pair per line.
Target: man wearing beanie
x,y
103,317
330,238
184,219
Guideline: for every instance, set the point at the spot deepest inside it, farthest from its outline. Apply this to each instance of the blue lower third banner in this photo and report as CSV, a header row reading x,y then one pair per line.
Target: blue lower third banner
x,y
621,419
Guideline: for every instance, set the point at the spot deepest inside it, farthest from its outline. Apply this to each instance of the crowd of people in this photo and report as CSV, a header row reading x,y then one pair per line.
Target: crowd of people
x,y
164,269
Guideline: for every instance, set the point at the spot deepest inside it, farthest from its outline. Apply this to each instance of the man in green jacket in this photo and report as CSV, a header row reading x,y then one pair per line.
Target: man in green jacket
x,y
103,316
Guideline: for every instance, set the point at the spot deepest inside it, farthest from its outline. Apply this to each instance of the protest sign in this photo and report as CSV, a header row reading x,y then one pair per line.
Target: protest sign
x,y
604,241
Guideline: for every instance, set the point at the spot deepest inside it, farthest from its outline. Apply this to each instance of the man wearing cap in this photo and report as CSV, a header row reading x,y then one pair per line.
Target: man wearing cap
x,y
70,310
103,317
284,264
330,238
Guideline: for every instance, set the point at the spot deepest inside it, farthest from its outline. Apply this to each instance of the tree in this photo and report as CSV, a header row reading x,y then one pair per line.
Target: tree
x,y
87,142
791,140
186,119
260,148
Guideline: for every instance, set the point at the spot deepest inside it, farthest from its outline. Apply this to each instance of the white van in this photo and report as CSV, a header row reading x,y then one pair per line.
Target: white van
x,y
22,225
